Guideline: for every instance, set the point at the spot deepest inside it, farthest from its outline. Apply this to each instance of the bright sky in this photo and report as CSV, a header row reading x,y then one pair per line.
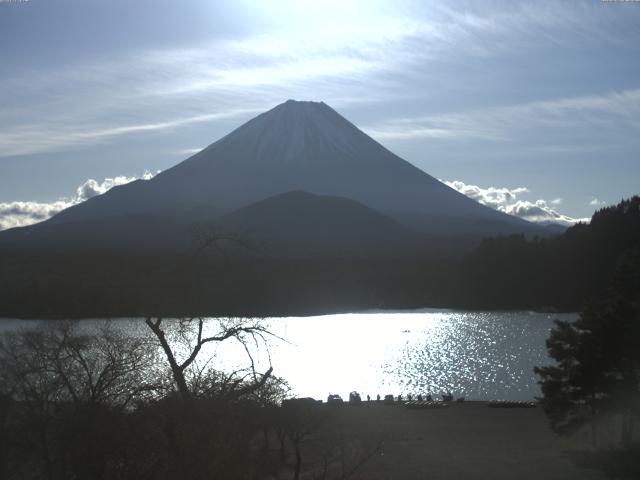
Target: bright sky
x,y
519,104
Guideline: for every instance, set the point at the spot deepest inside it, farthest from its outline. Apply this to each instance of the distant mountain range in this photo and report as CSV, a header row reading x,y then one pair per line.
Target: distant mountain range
x,y
298,179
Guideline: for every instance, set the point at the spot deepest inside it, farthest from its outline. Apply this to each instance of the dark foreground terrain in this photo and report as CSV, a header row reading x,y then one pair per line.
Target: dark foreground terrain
x,y
464,441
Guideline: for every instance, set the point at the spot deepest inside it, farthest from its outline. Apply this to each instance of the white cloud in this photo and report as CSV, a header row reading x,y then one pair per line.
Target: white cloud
x,y
540,212
499,123
506,200
323,55
492,196
21,140
91,187
596,203
188,151
20,214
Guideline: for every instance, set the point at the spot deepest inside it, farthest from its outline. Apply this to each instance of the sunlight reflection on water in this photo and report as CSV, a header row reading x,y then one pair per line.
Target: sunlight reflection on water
x,y
479,355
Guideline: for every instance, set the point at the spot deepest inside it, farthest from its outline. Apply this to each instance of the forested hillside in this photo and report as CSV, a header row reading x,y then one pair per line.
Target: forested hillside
x,y
560,272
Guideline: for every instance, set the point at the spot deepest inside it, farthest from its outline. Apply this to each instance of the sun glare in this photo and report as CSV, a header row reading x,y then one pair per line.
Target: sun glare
x,y
301,14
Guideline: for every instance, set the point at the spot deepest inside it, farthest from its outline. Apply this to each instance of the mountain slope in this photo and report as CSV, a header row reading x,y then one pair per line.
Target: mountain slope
x,y
292,224
125,233
302,146
303,224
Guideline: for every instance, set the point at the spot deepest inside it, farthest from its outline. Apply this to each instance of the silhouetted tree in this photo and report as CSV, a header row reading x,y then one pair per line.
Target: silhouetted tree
x,y
68,390
598,359
191,331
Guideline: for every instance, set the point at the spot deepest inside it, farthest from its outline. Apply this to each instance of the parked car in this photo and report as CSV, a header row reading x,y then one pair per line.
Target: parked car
x,y
388,400
354,399
334,400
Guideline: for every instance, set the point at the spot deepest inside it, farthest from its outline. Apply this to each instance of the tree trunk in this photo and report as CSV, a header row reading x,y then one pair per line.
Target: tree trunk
x,y
177,372
296,472
281,439
628,420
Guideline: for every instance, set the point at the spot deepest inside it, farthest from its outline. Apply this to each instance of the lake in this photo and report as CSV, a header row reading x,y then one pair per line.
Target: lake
x,y
478,355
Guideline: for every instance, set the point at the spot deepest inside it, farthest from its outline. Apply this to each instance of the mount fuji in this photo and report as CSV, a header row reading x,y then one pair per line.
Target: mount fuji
x,y
301,147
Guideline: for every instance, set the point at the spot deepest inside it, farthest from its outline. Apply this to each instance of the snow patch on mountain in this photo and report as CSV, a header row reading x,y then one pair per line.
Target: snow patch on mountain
x,y
286,132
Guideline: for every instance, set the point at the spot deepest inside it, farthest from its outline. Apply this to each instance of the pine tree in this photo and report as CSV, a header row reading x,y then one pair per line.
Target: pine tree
x,y
598,359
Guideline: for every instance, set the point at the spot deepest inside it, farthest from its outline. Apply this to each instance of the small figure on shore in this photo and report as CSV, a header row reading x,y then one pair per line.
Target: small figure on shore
x,y
368,399
429,398
419,397
378,398
399,397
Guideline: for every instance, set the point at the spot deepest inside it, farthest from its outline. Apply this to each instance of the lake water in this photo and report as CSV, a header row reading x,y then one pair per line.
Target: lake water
x,y
478,355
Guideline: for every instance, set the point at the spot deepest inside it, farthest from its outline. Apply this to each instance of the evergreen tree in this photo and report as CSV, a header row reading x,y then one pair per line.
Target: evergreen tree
x,y
598,359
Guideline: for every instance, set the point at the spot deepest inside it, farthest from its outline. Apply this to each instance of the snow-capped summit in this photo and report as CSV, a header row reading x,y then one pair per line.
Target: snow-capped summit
x,y
292,130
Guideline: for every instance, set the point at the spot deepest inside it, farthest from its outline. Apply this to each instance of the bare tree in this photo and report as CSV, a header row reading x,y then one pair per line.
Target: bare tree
x,y
68,386
244,331
58,361
209,239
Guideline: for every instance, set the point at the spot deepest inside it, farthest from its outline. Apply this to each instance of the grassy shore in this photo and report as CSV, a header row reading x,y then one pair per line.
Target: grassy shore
x,y
465,441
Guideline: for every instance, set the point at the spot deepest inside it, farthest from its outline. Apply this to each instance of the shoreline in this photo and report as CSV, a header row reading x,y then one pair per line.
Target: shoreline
x,y
367,311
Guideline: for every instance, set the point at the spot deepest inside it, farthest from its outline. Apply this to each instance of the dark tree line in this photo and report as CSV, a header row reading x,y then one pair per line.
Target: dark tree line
x,y
511,272
96,286
560,272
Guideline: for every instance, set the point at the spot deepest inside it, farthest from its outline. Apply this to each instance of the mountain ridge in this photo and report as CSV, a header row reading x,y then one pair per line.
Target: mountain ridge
x,y
325,225
296,146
